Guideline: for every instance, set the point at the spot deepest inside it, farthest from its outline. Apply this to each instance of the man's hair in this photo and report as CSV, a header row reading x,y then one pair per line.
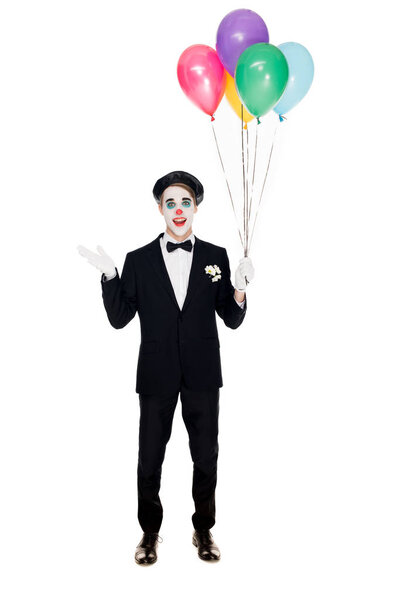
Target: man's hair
x,y
186,187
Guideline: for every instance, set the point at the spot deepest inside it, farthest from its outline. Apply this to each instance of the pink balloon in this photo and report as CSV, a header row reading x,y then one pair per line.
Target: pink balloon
x,y
202,77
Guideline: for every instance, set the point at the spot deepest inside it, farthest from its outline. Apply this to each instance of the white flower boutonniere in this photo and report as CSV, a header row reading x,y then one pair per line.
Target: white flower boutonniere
x,y
214,271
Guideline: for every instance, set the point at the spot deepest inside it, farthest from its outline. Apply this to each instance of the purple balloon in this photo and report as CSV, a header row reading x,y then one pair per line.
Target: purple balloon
x,y
237,31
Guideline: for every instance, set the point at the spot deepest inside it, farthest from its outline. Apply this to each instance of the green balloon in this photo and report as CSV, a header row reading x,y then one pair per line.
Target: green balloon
x,y
261,76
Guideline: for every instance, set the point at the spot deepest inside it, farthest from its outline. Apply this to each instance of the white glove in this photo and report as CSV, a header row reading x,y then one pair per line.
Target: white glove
x,y
101,261
245,271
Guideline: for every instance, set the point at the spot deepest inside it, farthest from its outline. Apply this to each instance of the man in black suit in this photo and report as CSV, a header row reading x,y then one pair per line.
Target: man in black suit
x,y
176,284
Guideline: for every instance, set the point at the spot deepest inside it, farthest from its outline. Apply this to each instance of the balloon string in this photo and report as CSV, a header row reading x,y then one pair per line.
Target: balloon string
x,y
227,183
247,180
254,169
244,190
265,178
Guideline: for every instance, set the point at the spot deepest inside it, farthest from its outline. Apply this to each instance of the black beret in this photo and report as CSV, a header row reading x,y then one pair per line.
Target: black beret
x,y
178,177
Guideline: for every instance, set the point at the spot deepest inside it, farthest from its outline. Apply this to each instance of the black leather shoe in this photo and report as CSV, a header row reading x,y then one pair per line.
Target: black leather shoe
x,y
146,551
206,547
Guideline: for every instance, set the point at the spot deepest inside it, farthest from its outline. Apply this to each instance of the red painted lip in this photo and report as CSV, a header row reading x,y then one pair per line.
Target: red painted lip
x,y
180,224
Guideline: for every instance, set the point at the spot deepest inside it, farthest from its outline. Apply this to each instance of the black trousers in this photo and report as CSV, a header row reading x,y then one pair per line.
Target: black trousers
x,y
200,412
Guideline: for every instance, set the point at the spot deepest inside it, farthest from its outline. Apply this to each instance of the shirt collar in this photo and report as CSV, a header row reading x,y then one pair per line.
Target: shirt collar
x,y
168,238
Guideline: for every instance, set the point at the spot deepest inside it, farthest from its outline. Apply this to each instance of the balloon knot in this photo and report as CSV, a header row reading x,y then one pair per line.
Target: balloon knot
x,y
245,126
212,118
282,118
258,121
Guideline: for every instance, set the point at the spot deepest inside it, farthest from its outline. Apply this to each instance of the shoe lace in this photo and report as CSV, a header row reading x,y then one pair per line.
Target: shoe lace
x,y
148,537
205,537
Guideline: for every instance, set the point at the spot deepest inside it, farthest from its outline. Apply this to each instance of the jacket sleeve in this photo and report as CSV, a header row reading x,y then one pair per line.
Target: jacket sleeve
x,y
227,307
119,295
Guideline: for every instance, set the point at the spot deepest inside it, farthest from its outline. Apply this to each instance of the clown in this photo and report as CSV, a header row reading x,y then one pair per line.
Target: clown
x,y
177,283
178,209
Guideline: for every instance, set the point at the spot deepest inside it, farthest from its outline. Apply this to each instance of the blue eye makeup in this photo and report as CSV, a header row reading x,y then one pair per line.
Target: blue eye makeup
x,y
171,203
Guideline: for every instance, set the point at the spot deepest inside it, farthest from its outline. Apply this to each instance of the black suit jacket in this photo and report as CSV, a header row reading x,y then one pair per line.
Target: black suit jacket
x,y
174,342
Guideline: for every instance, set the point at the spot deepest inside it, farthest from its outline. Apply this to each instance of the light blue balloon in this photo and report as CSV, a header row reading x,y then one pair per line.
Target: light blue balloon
x,y
301,73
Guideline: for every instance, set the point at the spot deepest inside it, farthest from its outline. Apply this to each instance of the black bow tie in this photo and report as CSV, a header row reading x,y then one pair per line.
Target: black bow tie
x,y
186,245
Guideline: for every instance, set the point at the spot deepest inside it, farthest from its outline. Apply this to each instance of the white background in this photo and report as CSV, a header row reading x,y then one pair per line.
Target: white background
x,y
308,483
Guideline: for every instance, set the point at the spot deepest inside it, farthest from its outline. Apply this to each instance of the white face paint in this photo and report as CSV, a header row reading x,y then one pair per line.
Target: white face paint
x,y
178,206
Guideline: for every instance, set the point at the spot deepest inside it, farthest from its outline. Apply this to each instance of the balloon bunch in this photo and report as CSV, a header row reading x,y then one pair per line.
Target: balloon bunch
x,y
255,77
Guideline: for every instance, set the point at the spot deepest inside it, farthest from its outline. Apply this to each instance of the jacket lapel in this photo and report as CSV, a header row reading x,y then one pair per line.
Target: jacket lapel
x,y
157,261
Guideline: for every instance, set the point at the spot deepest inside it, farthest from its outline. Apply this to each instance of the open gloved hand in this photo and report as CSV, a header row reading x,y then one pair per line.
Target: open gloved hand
x,y
101,261
245,271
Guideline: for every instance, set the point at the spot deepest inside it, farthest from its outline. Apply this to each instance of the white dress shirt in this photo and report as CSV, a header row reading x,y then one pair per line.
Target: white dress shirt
x,y
178,264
